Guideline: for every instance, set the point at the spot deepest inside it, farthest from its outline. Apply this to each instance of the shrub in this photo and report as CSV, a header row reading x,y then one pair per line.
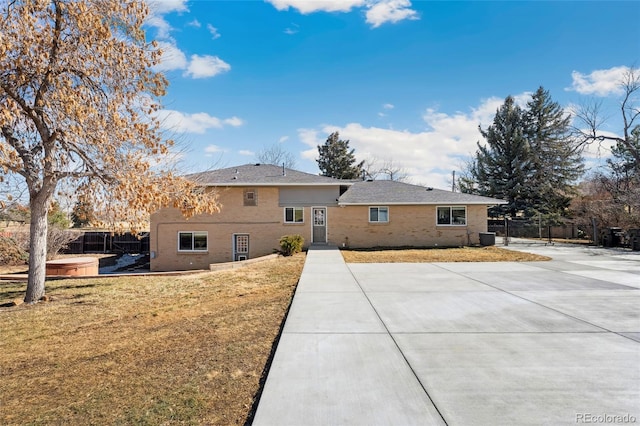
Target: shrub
x,y
11,253
57,239
290,244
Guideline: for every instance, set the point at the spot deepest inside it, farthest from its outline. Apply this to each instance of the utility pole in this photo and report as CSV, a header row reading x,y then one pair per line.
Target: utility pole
x,y
453,181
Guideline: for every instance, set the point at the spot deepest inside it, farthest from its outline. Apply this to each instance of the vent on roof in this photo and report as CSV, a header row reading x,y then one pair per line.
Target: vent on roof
x,y
429,188
257,164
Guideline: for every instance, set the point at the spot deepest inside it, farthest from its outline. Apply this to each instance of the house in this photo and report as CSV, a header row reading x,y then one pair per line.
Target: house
x,y
262,202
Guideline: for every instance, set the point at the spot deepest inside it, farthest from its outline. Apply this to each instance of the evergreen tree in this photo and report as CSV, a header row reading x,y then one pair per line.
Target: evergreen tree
x,y
624,179
530,160
623,161
556,159
503,167
336,160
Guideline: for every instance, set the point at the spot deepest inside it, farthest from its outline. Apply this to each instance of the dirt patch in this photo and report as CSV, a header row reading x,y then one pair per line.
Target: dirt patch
x,y
143,350
464,254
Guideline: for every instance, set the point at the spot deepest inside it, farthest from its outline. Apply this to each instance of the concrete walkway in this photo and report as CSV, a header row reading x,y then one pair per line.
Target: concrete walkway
x,y
460,343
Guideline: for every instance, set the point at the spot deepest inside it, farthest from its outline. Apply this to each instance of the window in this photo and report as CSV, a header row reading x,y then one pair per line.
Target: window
x,y
293,215
250,197
242,244
192,241
452,216
378,214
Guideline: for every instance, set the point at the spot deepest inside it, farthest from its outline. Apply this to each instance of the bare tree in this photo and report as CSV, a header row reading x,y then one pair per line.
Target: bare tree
x,y
276,155
384,170
590,116
78,100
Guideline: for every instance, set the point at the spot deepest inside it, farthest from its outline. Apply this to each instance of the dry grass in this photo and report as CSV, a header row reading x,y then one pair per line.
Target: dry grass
x,y
464,254
143,350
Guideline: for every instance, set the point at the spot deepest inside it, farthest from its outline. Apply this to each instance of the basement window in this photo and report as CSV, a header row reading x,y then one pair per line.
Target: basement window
x,y
192,241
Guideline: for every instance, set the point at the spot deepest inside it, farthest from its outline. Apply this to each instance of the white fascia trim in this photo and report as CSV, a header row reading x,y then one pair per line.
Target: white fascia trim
x,y
435,203
221,185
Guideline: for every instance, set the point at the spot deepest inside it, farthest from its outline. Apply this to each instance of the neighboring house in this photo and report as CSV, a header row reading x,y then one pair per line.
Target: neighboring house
x,y
261,202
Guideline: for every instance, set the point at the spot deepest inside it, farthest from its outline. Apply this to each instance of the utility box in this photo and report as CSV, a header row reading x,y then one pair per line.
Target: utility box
x,y
487,239
612,237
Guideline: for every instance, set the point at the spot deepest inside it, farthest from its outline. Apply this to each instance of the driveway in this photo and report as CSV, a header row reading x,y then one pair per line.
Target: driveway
x,y
461,343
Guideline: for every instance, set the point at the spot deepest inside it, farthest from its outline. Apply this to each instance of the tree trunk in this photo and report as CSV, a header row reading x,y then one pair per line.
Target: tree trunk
x,y
37,250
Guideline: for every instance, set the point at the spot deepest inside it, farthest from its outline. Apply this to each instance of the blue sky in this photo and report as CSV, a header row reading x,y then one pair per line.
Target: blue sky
x,y
404,81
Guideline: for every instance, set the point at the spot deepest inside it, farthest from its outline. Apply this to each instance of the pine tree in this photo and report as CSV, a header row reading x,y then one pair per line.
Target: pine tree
x,y
503,167
556,159
530,160
336,160
624,180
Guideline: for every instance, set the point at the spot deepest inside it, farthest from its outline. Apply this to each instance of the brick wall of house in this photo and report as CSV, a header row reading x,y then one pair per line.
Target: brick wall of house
x,y
407,226
264,223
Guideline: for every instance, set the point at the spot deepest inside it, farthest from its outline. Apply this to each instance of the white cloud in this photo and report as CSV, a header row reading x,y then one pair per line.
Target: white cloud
x,y
392,11
283,139
246,152
212,149
157,8
378,11
599,82
428,156
388,106
307,6
214,31
172,58
197,66
206,66
161,7
293,29
234,121
200,122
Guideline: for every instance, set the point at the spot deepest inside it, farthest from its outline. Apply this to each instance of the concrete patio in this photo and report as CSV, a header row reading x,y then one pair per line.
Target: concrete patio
x,y
461,343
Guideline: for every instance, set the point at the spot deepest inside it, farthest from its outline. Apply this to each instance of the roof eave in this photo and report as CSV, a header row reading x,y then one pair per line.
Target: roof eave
x,y
217,184
425,203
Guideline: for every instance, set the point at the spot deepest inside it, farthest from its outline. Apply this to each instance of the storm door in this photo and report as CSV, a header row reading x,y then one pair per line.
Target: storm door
x,y
240,247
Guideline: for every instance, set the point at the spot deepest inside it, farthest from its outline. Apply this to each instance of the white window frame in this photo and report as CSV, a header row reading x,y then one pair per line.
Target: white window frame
x,y
193,248
378,208
293,222
451,208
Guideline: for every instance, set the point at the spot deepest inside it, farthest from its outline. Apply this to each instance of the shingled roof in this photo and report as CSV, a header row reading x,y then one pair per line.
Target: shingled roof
x,y
388,192
261,175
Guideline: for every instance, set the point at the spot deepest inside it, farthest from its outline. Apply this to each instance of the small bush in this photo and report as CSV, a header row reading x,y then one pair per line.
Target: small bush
x,y
11,253
291,244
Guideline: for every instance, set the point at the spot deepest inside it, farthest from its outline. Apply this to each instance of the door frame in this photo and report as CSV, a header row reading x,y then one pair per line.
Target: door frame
x,y
235,254
326,223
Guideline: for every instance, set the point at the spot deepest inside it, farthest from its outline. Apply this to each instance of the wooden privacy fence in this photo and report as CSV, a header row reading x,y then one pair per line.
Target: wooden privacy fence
x,y
105,242
531,229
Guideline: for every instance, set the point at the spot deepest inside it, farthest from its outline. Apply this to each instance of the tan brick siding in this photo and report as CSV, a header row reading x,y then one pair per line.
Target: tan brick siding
x,y
407,226
264,223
